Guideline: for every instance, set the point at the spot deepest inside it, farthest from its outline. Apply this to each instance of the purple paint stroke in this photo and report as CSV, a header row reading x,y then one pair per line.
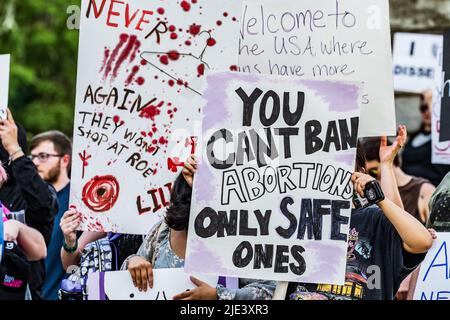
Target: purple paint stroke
x,y
329,258
347,158
215,114
202,260
341,97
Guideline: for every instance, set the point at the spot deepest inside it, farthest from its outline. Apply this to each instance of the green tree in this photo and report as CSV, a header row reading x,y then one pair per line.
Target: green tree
x,y
43,62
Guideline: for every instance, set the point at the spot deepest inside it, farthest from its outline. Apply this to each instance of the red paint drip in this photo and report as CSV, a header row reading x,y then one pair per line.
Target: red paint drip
x,y
201,69
116,119
136,48
112,58
140,81
188,43
219,23
173,36
171,82
234,68
132,75
151,111
185,5
211,42
124,55
160,10
172,28
194,29
173,55
164,60
105,58
143,62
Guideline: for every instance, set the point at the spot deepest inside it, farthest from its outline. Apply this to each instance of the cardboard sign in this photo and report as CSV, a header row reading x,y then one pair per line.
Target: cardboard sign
x,y
325,40
434,277
444,132
272,194
416,61
4,84
140,70
118,285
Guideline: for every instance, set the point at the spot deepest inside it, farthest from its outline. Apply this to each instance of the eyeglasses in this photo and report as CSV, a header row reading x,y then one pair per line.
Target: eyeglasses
x,y
43,157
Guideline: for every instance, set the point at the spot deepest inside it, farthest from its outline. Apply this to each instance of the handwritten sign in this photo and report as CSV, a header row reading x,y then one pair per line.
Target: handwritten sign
x,y
416,61
118,285
326,40
141,67
272,195
444,132
434,277
4,84
440,153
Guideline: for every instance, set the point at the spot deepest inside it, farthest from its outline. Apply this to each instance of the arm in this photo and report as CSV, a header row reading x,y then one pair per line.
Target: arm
x,y
28,239
424,199
69,224
251,290
416,238
387,155
40,198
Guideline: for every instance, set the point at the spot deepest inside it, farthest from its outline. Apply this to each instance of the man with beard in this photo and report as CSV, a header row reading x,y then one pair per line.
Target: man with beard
x,y
26,191
51,153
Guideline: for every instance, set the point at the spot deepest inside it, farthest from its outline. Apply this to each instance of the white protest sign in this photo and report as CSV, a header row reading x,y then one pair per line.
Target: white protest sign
x,y
326,40
272,193
118,285
141,65
434,277
416,61
4,84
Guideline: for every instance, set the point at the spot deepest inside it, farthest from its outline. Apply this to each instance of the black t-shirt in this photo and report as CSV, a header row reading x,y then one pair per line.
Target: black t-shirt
x,y
375,249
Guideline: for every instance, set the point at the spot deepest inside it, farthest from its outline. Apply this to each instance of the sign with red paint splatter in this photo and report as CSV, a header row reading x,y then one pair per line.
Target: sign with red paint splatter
x,y
4,84
142,65
325,40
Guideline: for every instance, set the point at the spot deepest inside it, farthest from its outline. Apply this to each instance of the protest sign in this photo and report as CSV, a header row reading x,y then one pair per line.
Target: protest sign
x,y
141,65
272,194
118,285
416,61
326,40
4,84
434,277
444,127
440,153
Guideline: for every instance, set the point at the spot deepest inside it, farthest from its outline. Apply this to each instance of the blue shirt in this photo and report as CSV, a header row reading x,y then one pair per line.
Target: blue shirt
x,y
54,271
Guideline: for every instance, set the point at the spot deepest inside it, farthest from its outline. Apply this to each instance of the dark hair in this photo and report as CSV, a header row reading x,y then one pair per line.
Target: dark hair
x,y
62,143
372,150
360,158
177,216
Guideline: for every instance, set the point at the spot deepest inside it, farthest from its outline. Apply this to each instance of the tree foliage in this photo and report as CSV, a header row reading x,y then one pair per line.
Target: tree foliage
x,y
43,62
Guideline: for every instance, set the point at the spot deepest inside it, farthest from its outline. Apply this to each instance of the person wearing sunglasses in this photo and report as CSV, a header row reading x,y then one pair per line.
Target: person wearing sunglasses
x,y
417,153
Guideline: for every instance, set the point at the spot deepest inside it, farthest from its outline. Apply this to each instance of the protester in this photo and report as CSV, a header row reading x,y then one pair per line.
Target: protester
x,y
417,153
440,207
25,190
22,244
415,192
165,247
384,238
51,152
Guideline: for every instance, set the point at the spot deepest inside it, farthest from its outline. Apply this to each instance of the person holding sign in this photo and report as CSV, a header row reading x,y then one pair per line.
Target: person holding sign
x,y
385,243
165,247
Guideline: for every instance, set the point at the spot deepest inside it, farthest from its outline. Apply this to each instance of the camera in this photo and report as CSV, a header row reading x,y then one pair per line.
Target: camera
x,y
372,195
